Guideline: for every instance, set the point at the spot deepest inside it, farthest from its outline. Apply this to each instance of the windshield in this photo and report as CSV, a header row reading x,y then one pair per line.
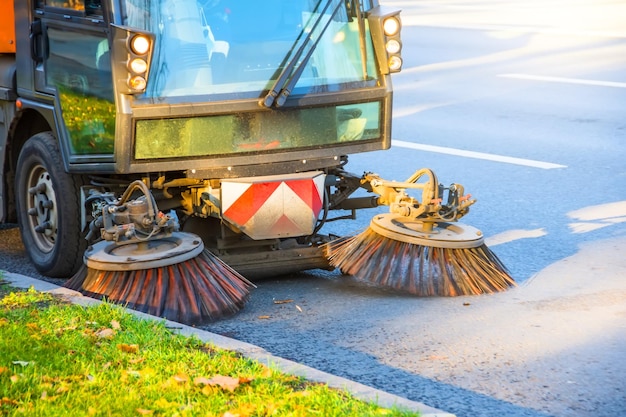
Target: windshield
x,y
212,48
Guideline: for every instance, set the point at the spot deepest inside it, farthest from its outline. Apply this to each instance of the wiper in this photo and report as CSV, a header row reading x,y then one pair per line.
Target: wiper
x,y
288,76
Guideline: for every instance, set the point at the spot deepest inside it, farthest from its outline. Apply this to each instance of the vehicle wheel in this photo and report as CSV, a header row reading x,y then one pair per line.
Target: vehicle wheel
x,y
48,208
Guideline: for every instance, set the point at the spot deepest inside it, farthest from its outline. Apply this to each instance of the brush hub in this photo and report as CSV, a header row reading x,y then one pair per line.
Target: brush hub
x,y
427,233
135,255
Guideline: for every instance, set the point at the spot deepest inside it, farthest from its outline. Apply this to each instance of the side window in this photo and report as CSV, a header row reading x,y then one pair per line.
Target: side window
x,y
84,7
78,67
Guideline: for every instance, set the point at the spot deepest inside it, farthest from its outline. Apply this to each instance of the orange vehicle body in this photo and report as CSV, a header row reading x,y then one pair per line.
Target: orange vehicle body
x,y
7,27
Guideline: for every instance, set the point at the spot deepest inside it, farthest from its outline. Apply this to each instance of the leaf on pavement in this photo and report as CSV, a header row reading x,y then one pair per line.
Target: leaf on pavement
x,y
283,301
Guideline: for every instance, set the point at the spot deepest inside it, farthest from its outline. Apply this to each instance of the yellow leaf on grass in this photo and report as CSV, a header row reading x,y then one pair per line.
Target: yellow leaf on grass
x,y
163,403
7,401
208,390
115,325
128,348
244,410
32,326
61,389
267,371
144,412
181,378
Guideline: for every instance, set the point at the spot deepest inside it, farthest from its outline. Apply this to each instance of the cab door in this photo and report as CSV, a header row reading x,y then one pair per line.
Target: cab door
x,y
73,65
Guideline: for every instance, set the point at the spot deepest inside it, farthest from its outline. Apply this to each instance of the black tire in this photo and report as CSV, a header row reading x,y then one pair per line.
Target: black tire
x,y
48,208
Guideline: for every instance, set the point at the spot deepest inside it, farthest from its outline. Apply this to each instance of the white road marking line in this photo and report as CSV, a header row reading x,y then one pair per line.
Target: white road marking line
x,y
477,155
564,80
419,21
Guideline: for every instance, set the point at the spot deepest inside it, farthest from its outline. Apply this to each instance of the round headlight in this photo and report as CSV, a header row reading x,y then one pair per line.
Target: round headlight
x,y
395,63
391,26
137,83
140,44
138,66
393,46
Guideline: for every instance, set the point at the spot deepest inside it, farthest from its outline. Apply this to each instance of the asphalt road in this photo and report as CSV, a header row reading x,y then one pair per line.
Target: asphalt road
x,y
523,103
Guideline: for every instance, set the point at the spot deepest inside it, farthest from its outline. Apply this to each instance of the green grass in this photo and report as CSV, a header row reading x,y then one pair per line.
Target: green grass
x,y
59,359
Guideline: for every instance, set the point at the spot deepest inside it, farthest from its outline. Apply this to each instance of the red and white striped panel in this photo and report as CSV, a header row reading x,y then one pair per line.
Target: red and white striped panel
x,y
274,206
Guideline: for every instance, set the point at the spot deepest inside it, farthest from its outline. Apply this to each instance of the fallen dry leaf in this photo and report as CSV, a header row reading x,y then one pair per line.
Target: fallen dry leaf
x,y
128,348
226,382
264,317
208,390
267,371
8,401
163,403
299,308
283,301
105,333
200,380
181,378
115,325
144,412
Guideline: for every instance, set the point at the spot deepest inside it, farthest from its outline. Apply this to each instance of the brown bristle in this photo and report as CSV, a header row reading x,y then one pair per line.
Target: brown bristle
x,y
418,269
201,289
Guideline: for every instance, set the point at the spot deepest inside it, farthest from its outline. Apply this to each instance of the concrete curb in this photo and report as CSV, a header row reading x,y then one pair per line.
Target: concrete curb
x,y
363,392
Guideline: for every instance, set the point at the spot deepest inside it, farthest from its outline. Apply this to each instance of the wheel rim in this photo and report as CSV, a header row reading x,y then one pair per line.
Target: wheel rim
x,y
41,206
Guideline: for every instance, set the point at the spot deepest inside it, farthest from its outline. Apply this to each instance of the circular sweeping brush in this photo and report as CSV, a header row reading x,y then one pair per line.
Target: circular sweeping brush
x,y
145,263
172,277
420,257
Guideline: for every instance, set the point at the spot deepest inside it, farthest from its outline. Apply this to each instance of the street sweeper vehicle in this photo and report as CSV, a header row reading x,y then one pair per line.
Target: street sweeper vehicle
x,y
161,153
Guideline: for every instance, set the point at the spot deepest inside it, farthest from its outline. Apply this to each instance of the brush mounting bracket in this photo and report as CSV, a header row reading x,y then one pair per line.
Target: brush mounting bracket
x,y
437,203
129,220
